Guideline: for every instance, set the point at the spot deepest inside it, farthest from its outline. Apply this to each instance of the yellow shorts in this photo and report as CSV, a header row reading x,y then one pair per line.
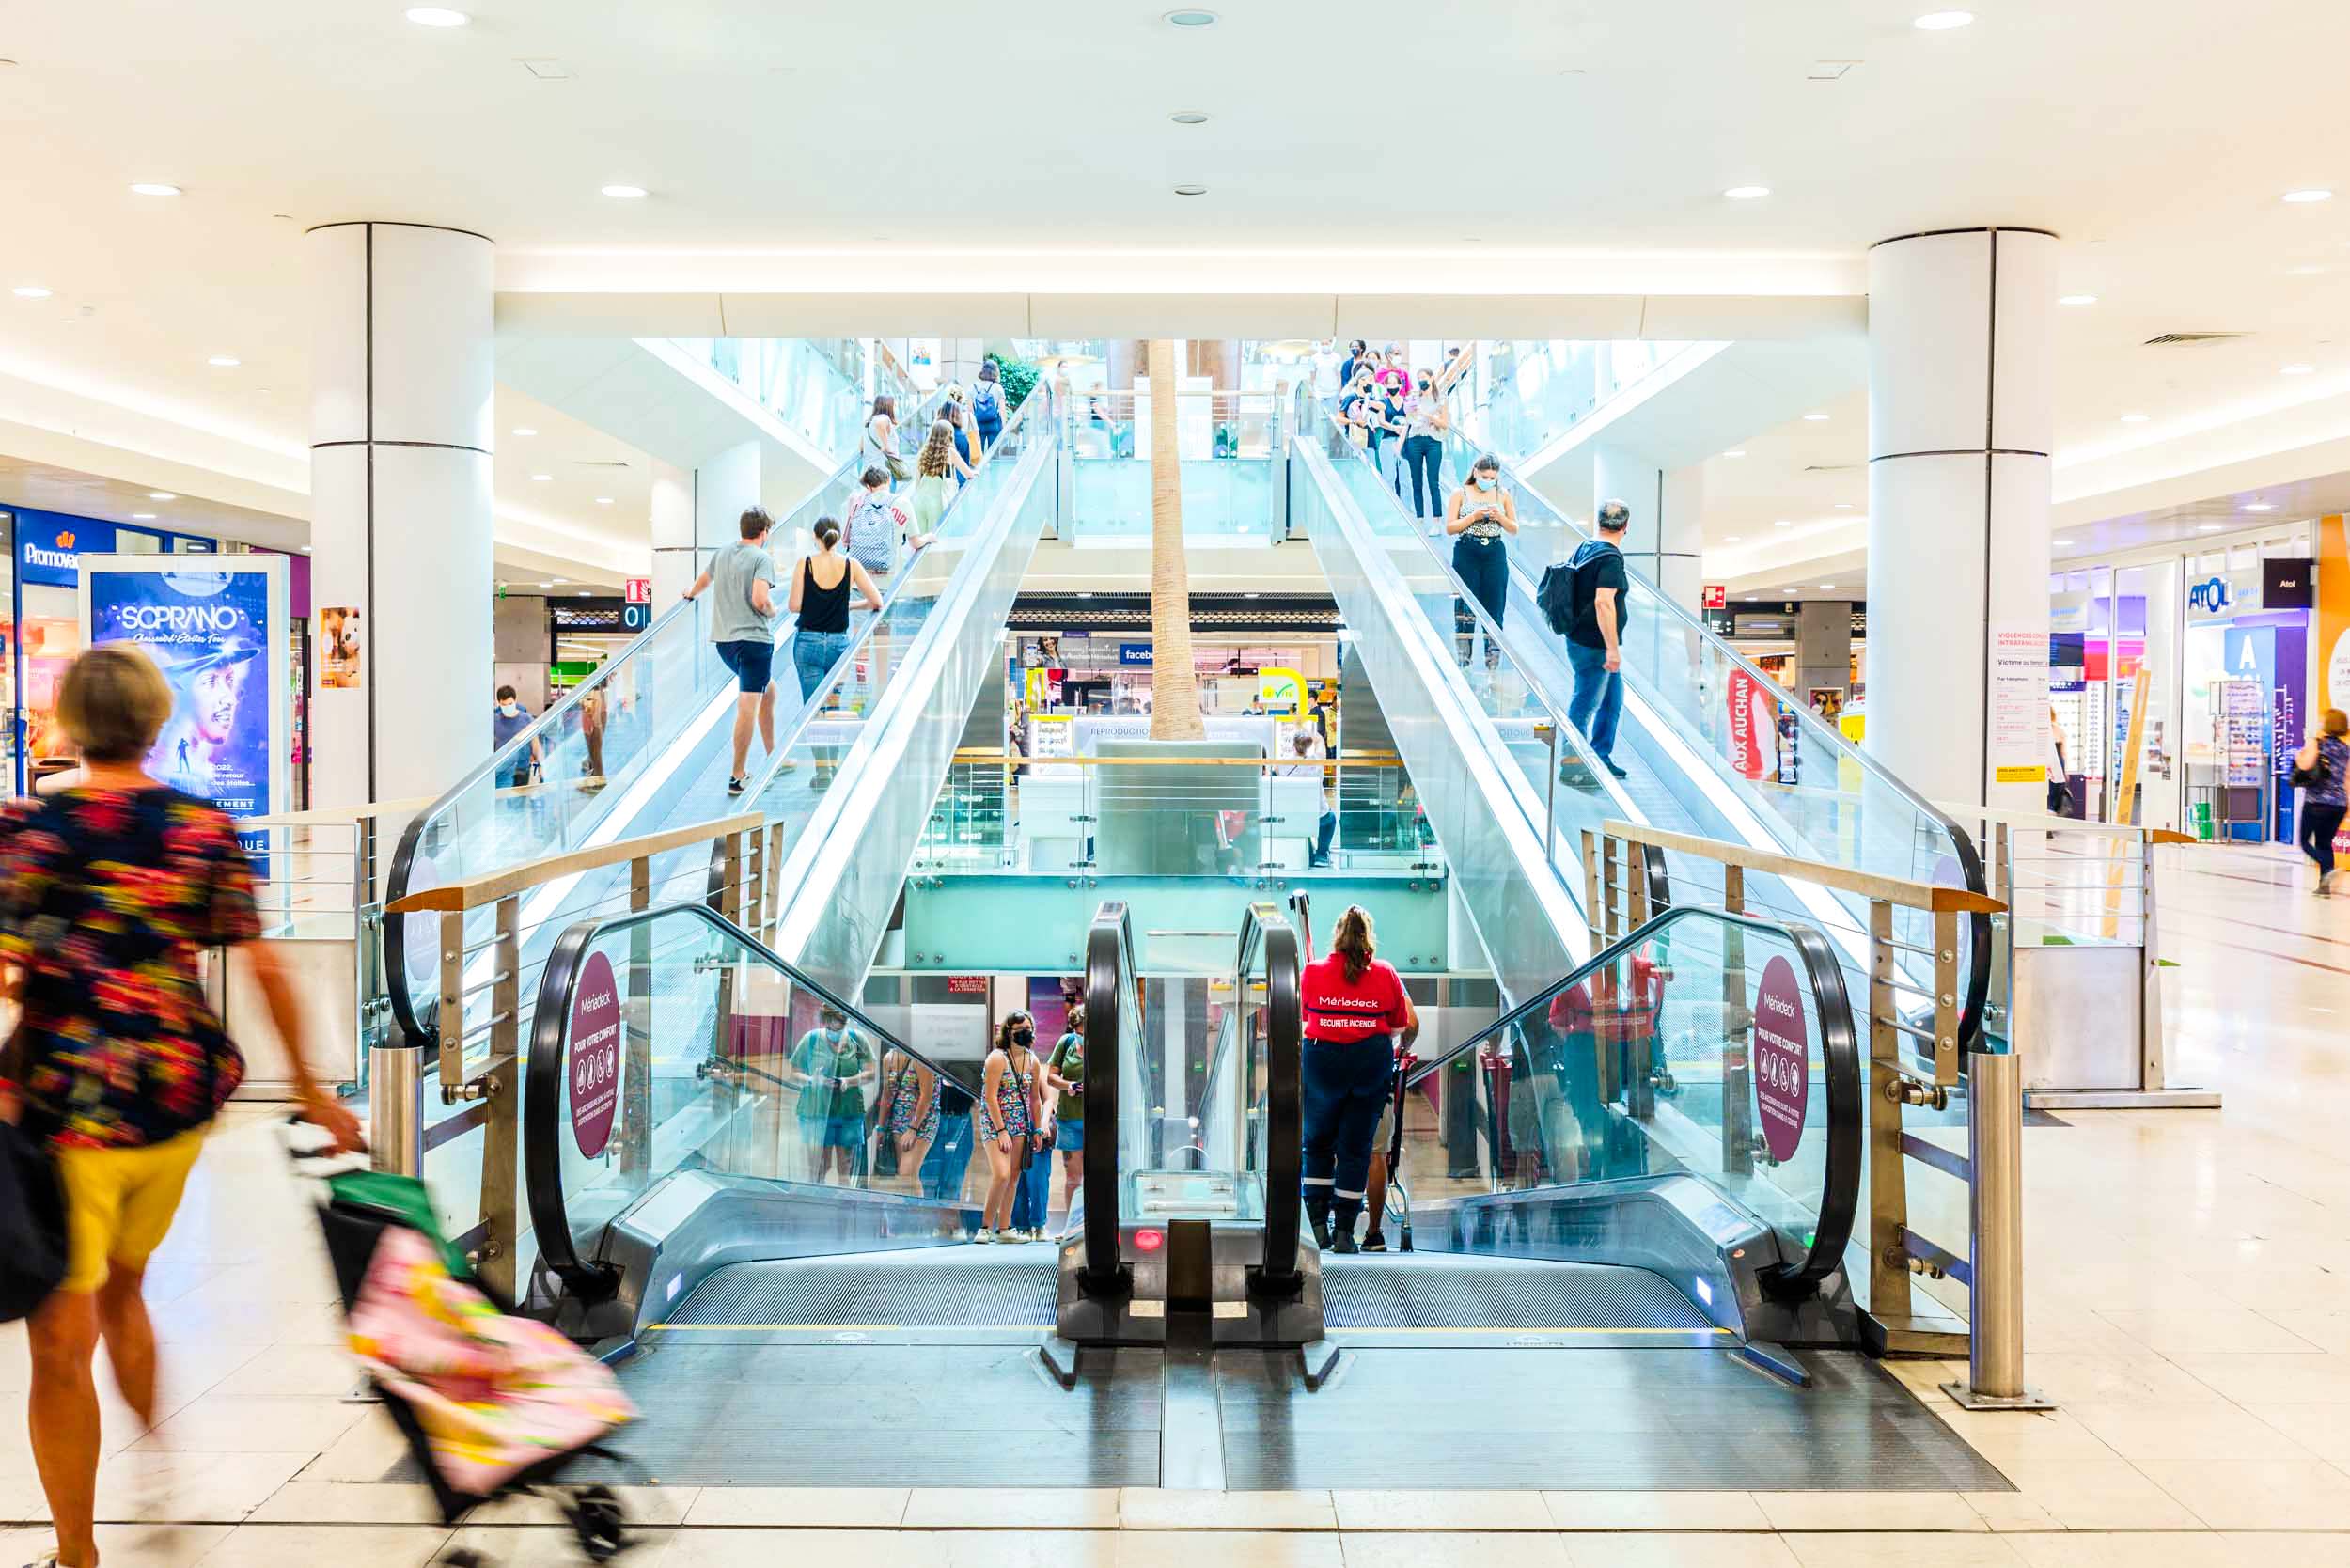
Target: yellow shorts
x,y
118,1203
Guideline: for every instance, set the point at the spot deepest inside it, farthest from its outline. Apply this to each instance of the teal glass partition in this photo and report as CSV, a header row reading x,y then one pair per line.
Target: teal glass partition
x,y
1231,448
815,386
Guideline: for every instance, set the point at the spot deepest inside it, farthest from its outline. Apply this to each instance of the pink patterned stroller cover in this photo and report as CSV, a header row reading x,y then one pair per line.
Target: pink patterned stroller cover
x,y
495,1395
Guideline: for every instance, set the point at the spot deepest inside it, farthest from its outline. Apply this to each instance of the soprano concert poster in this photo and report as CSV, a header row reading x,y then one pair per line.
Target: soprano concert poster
x,y
219,636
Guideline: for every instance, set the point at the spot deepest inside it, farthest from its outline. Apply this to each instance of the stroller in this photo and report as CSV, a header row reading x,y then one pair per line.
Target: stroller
x,y
492,1404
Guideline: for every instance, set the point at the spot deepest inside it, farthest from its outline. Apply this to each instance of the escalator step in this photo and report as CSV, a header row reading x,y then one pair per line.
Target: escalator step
x,y
958,1287
1433,1290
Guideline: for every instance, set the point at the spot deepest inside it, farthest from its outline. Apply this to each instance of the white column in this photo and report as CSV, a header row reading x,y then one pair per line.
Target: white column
x,y
724,487
1961,385
401,503
675,563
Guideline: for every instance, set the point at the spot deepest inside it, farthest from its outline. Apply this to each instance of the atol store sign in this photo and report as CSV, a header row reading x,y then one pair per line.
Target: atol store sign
x,y
2223,595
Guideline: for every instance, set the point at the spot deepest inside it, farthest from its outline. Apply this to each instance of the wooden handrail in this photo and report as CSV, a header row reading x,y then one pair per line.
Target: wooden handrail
x,y
1867,884
2042,822
481,891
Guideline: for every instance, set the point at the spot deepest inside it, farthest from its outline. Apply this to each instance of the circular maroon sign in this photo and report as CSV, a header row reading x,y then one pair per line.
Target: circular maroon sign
x,y
1782,1060
595,1058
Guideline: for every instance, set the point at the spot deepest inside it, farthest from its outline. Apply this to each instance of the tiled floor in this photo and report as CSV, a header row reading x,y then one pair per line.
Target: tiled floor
x,y
2189,1310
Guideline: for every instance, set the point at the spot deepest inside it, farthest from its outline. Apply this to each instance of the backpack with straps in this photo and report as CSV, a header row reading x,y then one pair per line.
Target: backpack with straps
x,y
1557,596
987,403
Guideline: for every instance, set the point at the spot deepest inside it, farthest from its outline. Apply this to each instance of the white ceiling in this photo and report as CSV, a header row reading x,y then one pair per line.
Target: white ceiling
x,y
1593,148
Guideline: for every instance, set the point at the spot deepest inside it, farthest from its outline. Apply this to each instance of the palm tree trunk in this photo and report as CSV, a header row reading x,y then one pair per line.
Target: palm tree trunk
x,y
1174,691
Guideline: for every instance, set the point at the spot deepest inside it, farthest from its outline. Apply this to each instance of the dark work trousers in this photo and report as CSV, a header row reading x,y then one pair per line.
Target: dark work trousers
x,y
1346,1087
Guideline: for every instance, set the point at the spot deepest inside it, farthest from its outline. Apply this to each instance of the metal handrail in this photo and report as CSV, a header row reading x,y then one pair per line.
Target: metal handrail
x,y
543,1157
1839,1046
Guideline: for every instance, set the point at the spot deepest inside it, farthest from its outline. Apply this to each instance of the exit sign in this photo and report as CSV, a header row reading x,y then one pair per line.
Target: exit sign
x,y
639,590
1716,596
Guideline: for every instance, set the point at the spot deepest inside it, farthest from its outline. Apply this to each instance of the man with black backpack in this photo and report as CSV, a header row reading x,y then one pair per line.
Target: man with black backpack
x,y
1585,602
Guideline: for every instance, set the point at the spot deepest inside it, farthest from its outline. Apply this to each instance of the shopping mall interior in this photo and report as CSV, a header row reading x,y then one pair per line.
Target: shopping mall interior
x,y
1428,887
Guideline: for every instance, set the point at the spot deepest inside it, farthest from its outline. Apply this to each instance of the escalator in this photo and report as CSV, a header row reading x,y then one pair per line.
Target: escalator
x,y
1480,710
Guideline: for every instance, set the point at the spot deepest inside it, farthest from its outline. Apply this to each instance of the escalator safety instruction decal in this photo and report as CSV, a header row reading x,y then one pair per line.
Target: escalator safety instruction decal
x,y
595,1065
1782,1053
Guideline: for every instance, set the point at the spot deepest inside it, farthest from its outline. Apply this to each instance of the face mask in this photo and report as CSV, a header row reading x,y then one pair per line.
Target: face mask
x,y
509,709
1485,481
1024,1036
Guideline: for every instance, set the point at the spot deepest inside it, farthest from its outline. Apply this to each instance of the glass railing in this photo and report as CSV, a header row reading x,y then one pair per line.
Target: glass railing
x,y
1719,1046
815,386
1130,816
1229,445
672,1040
1714,745
1519,397
643,743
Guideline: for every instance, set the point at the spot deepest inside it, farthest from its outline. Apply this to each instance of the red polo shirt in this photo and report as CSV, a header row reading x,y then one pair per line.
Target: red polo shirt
x,y
1339,1010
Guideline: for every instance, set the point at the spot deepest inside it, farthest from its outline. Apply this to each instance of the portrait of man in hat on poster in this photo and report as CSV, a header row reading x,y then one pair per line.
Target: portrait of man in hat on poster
x,y
209,748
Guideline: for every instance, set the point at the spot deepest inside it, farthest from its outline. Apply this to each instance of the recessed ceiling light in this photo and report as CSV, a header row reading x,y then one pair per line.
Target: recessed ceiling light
x,y
305,549
2260,505
1843,506
160,496
1816,418
2208,528
1248,596
604,500
1943,22
1741,453
625,193
1190,19
1823,586
2297,371
1188,117
2076,299
2134,419
2061,544
1748,193
524,430
1783,522
31,291
436,16
1191,189
224,361
546,585
147,188
2305,196
1731,538
541,478
142,517
587,593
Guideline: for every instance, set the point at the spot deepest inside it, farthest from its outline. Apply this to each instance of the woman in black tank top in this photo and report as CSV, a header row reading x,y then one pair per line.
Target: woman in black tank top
x,y
822,634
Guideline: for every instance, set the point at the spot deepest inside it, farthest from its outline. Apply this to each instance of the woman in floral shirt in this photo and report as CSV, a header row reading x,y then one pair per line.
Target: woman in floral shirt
x,y
109,893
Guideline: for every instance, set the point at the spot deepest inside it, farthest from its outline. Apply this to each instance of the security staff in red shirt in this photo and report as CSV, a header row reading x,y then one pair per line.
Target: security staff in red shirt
x,y
1353,1005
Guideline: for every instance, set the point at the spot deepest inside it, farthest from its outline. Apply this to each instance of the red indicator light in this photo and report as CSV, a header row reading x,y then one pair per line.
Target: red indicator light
x,y
1149,1241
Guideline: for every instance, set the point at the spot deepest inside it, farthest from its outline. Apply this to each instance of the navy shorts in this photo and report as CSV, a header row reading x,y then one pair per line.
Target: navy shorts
x,y
753,664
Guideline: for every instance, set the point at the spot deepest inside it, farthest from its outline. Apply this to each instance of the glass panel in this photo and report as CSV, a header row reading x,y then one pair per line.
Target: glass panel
x,y
814,385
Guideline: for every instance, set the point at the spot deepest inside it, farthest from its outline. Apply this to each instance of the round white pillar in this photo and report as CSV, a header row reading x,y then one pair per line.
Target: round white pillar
x,y
402,383
1961,385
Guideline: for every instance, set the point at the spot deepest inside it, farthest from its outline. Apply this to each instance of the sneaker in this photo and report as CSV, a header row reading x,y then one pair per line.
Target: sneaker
x,y
1609,764
1375,1243
1322,1230
738,785
982,1236
1345,1246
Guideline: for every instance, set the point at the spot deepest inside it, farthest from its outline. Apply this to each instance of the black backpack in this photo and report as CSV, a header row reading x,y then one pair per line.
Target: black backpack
x,y
1557,597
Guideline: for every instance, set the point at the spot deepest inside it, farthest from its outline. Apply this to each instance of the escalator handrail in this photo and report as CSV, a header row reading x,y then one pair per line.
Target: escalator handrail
x,y
1285,1116
1109,943
1962,843
545,1070
1840,1050
546,724
1963,846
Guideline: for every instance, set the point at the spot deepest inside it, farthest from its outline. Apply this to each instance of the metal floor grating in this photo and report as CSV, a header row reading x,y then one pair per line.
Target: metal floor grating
x,y
1438,1290
942,1287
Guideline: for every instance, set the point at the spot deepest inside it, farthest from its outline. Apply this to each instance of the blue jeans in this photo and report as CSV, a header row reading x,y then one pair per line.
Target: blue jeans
x,y
1033,1197
949,1158
1329,827
813,654
1598,699
1346,1087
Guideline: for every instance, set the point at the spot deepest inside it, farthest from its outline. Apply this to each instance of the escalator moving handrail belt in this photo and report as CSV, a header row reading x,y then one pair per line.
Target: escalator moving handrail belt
x,y
1108,945
1285,1113
545,1071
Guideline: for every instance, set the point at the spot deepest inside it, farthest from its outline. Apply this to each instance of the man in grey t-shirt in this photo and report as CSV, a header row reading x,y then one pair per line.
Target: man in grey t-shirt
x,y
740,583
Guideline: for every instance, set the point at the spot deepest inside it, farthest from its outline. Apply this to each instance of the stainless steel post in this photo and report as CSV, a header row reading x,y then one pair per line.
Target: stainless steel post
x,y
395,1120
1995,1160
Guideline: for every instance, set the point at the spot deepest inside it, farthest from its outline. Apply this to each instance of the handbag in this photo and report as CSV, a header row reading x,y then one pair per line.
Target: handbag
x,y
32,1224
2310,779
